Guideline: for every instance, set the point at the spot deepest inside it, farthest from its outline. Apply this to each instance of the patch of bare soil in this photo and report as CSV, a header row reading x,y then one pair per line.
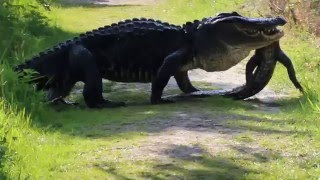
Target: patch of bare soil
x,y
191,135
187,136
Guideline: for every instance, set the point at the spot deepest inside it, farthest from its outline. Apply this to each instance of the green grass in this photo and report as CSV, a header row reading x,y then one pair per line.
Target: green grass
x,y
44,142
177,12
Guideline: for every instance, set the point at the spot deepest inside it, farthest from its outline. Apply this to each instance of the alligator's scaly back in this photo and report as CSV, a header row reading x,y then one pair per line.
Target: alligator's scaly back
x,y
52,63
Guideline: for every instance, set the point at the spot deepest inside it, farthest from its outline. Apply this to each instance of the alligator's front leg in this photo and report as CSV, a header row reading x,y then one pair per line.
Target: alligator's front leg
x,y
170,67
184,83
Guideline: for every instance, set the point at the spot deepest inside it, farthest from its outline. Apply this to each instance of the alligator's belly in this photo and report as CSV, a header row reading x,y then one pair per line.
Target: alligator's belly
x,y
130,75
221,62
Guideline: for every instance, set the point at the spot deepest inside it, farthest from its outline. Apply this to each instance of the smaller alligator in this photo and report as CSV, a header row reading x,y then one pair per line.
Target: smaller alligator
x,y
259,71
145,50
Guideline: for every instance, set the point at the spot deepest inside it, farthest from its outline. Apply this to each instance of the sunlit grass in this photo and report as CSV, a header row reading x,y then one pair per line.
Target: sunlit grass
x,y
80,19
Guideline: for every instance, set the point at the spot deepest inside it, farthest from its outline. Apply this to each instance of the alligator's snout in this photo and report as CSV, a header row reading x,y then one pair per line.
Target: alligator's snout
x,y
277,21
267,27
280,21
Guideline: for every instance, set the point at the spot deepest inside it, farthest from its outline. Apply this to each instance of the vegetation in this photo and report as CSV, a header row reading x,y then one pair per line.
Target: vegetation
x,y
38,141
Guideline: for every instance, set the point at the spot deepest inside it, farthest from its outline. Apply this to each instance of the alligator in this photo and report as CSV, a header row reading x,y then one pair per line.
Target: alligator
x,y
259,71
146,50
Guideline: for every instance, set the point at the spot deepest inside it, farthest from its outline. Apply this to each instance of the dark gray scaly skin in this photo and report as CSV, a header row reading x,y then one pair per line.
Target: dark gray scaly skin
x,y
145,50
259,71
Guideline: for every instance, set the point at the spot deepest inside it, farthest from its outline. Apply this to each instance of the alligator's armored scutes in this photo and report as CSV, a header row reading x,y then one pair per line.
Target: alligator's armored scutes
x,y
145,50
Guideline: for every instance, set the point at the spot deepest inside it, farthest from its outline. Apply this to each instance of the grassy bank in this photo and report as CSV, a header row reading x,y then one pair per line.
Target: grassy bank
x,y
41,142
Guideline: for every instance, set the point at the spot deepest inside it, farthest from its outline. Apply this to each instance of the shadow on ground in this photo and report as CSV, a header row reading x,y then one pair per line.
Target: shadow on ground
x,y
202,166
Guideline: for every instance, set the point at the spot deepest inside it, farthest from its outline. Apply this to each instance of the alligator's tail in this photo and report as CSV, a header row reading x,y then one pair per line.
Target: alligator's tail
x,y
43,68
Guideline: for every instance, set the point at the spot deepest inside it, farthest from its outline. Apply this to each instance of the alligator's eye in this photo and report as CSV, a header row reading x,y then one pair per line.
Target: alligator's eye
x,y
252,32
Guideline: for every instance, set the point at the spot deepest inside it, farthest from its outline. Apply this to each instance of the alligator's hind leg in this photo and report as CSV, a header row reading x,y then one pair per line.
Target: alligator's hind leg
x,y
83,64
184,83
60,88
57,94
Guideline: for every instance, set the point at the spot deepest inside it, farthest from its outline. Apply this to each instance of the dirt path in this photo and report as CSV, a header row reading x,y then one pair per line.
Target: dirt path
x,y
190,134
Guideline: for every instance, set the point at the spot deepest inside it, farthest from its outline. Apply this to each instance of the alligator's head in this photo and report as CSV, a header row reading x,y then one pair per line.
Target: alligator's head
x,y
230,37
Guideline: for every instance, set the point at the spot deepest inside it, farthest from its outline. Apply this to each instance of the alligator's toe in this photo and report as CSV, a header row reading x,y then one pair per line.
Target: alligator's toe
x,y
69,102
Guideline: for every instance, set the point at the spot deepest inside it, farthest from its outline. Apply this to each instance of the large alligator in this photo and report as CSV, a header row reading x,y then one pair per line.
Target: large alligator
x,y
145,50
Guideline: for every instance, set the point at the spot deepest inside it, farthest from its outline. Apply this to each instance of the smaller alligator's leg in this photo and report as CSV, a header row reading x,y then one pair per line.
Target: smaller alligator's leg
x,y
82,62
251,65
170,66
184,83
285,60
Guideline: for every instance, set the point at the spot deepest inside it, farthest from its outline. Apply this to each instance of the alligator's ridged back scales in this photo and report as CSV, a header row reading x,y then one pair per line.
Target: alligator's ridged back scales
x,y
135,49
131,50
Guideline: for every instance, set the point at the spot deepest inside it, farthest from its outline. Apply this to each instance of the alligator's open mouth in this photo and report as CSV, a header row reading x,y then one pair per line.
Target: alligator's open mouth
x,y
270,31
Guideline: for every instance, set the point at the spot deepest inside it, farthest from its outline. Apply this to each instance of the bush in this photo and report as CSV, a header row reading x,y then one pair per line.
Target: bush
x,y
305,13
20,20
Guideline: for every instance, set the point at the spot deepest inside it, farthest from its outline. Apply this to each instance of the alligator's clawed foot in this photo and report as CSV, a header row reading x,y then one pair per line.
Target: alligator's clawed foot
x,y
109,104
70,102
59,100
163,101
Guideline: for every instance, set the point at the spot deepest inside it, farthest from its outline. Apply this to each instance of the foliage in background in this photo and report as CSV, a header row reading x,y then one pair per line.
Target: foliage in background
x,y
304,17
301,12
21,21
